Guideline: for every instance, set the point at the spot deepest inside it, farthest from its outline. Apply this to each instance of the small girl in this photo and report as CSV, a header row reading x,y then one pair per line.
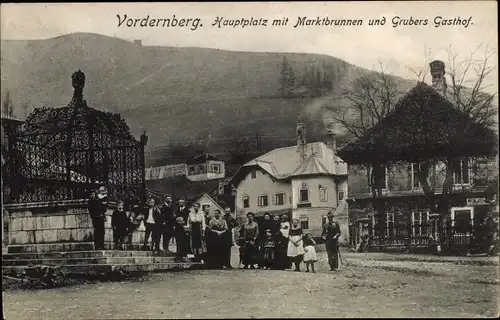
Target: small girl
x,y
269,251
119,223
310,253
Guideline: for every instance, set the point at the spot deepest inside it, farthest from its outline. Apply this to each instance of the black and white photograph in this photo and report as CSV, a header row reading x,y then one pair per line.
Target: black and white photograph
x,y
220,160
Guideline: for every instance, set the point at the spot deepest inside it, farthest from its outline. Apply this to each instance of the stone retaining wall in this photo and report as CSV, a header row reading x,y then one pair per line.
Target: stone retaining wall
x,y
56,223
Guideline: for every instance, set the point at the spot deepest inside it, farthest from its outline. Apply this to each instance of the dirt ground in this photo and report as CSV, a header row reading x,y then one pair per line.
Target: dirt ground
x,y
365,286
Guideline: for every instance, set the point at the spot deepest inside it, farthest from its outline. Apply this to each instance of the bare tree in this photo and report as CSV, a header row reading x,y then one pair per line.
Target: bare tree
x,y
469,79
370,98
422,71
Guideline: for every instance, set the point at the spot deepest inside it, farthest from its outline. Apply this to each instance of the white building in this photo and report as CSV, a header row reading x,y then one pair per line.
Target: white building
x,y
303,181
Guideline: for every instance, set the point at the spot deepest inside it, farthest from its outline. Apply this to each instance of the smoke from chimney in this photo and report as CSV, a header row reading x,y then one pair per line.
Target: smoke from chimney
x,y
438,80
301,139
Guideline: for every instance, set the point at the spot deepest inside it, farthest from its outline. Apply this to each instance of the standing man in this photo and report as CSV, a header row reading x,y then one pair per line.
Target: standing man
x,y
331,234
182,211
231,225
153,221
97,206
167,211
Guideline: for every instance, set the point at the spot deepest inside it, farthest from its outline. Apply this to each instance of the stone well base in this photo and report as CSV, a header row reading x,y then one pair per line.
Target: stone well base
x,y
57,226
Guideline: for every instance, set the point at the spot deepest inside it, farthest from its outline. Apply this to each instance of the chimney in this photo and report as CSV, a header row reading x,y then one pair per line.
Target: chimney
x,y
438,79
301,140
138,42
332,140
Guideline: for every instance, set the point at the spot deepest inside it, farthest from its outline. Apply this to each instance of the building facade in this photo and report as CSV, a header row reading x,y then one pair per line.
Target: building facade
x,y
409,222
304,182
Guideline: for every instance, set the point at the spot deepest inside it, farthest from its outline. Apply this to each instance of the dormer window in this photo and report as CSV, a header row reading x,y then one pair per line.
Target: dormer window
x,y
254,173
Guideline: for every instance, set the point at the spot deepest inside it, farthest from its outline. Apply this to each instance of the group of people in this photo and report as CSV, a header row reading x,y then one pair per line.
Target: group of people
x,y
277,244
274,244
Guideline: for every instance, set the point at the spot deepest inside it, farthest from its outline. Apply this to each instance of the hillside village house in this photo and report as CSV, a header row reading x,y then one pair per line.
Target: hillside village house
x,y
201,176
303,181
408,219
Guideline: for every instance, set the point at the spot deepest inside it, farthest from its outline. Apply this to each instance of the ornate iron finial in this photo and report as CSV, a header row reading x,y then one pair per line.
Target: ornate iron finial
x,y
144,138
78,81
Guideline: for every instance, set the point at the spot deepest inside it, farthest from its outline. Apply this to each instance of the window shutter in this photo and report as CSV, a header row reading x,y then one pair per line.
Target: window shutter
x,y
275,199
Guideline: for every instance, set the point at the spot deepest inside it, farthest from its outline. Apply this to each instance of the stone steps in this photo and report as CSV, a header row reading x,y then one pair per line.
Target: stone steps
x,y
63,247
84,254
98,261
95,260
100,269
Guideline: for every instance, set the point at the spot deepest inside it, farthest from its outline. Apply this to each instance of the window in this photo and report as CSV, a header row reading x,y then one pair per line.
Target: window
x,y
262,201
323,194
461,171
254,174
419,221
280,199
201,169
216,168
462,219
341,195
384,183
304,223
415,167
304,193
192,170
246,202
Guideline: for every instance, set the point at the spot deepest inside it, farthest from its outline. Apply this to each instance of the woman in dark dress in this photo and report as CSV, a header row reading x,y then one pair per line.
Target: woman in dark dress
x,y
216,241
250,235
282,250
266,224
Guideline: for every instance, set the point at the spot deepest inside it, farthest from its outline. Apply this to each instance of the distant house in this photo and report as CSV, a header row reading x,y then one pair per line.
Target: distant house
x,y
205,167
208,204
303,181
204,174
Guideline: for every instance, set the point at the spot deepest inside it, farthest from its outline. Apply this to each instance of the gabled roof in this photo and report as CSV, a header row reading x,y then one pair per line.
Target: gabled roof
x,y
282,162
203,158
424,124
311,166
219,205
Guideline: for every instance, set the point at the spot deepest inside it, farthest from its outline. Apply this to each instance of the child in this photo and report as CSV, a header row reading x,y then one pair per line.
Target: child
x,y
119,223
269,251
310,253
181,239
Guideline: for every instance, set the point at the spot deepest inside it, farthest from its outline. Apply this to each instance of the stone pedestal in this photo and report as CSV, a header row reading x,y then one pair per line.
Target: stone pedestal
x,y
57,226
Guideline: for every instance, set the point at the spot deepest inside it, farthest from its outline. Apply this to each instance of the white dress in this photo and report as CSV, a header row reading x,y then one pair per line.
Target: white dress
x,y
293,250
310,253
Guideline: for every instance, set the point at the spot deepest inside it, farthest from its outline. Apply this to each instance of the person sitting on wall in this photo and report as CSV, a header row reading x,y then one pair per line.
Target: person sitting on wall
x,y
97,207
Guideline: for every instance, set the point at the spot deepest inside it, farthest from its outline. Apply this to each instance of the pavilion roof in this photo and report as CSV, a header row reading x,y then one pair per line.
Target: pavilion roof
x,y
423,124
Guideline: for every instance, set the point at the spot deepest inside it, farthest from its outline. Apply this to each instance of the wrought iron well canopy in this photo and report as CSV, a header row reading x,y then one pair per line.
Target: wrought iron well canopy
x,y
64,153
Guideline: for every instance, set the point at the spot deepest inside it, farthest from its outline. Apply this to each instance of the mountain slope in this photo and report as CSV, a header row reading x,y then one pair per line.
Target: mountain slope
x,y
173,93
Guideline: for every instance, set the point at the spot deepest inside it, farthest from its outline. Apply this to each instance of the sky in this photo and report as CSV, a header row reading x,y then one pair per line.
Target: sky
x,y
399,48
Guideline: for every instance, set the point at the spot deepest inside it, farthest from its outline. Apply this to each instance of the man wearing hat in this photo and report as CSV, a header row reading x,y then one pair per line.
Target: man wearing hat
x,y
167,210
331,234
97,207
